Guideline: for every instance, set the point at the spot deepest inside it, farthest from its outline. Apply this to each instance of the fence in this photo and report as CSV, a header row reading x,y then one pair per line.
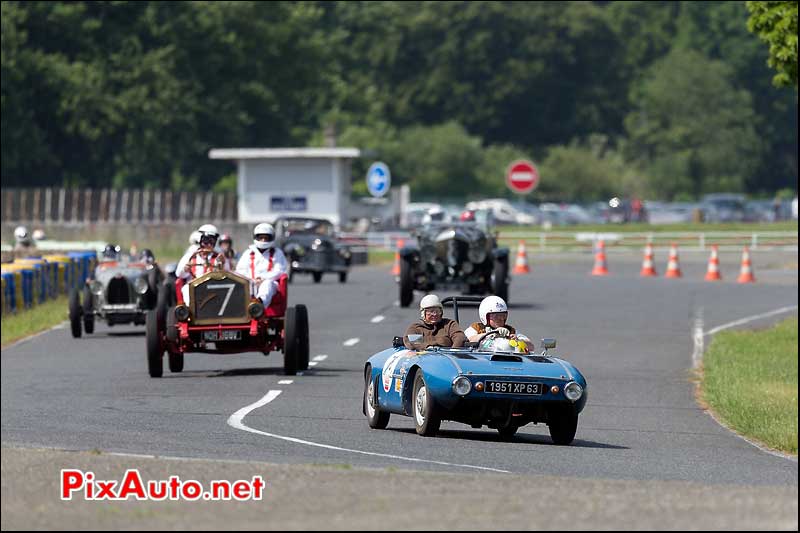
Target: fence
x,y
114,206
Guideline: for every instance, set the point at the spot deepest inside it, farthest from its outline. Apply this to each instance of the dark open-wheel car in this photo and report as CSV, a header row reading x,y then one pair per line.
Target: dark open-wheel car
x,y
223,316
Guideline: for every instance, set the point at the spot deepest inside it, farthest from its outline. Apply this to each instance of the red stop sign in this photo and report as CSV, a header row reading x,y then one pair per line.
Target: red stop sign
x,y
522,176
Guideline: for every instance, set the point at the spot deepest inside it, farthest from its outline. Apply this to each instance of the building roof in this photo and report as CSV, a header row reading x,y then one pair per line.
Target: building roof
x,y
284,153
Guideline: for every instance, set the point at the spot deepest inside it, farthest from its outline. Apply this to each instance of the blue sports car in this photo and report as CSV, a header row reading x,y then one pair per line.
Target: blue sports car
x,y
493,382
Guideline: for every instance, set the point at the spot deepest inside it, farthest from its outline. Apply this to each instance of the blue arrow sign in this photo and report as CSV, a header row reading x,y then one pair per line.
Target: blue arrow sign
x,y
379,179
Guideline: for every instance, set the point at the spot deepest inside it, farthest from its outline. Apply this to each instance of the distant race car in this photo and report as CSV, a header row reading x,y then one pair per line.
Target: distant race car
x,y
311,247
118,292
223,316
462,256
490,383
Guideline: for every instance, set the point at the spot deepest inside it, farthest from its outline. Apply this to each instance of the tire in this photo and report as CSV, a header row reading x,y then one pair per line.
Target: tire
x,y
406,283
317,276
88,315
162,306
170,296
175,362
501,279
151,297
75,312
563,424
155,350
507,432
291,343
302,330
342,277
426,420
171,331
376,418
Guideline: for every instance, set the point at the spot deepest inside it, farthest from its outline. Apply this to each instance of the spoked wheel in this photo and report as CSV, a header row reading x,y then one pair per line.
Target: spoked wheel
x,y
291,343
376,418
425,417
75,313
155,350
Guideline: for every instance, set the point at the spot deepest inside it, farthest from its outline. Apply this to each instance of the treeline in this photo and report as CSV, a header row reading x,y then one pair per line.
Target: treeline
x,y
661,99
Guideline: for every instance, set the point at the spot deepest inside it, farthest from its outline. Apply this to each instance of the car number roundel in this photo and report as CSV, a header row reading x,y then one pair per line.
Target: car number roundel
x,y
389,367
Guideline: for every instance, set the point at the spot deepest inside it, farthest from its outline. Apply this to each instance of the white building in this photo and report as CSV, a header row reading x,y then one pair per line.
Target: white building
x,y
275,182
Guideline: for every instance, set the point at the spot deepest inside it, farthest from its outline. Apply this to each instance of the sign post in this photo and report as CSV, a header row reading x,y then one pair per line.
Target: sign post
x,y
522,176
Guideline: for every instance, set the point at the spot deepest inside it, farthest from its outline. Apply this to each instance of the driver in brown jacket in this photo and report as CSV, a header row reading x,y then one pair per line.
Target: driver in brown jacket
x,y
434,328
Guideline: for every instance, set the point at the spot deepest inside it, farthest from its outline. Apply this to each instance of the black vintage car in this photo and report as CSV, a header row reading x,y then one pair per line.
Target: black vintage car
x,y
460,256
119,292
311,247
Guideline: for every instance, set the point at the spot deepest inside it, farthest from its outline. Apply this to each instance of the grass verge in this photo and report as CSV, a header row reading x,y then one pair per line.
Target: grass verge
x,y
750,382
29,321
381,257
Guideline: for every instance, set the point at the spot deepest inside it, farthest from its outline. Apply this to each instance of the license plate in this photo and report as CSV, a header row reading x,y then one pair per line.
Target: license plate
x,y
510,387
224,335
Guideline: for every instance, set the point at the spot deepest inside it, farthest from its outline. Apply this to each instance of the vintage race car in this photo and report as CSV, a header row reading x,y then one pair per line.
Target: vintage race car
x,y
311,247
223,316
475,385
118,292
460,256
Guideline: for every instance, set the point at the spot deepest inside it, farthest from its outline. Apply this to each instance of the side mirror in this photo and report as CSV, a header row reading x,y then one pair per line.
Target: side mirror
x,y
548,344
397,342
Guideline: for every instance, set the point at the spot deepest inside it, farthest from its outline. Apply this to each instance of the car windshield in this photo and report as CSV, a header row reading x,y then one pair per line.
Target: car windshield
x,y
316,227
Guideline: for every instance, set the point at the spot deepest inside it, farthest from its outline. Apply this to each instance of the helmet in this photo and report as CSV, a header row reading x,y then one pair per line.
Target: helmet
x,y
491,304
264,229
194,238
21,234
111,252
146,256
38,235
468,216
208,233
434,214
428,301
225,237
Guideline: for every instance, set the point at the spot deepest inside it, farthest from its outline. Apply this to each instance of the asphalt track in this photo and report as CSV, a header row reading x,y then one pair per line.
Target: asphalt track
x,y
631,337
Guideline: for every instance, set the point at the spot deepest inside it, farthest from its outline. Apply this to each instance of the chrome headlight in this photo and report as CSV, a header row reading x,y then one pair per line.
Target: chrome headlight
x,y
467,268
140,285
476,255
462,386
316,244
182,313
255,310
573,391
96,287
344,252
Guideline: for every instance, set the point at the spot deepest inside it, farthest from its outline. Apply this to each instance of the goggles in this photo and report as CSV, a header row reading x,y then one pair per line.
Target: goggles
x,y
264,237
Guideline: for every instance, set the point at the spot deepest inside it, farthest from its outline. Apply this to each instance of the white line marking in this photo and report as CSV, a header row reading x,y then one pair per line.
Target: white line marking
x,y
697,360
313,363
750,319
285,382
378,318
351,342
320,358
236,418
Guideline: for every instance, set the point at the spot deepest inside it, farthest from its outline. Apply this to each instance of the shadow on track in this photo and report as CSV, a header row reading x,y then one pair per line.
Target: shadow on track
x,y
519,438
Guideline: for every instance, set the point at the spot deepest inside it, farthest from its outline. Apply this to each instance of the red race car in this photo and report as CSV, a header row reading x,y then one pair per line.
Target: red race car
x,y
224,316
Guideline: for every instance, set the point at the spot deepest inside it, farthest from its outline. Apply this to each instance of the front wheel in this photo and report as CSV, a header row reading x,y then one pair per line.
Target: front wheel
x,y
155,350
501,279
302,331
406,283
342,277
507,432
376,418
291,343
75,313
317,277
426,420
88,315
563,424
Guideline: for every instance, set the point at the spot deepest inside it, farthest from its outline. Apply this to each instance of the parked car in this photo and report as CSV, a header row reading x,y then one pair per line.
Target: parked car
x,y
460,255
119,292
311,247
723,207
503,211
494,382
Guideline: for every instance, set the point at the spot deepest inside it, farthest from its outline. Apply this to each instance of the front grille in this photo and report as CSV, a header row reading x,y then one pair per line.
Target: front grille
x,y
117,291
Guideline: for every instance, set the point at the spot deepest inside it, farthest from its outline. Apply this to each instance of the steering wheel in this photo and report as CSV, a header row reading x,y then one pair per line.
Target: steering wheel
x,y
484,335
213,259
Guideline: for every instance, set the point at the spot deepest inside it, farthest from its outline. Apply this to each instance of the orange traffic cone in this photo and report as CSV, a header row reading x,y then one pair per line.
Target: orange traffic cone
x,y
600,268
673,268
521,267
746,274
396,266
713,273
648,267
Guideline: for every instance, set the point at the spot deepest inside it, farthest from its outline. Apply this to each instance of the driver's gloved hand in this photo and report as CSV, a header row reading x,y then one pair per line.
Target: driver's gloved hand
x,y
503,332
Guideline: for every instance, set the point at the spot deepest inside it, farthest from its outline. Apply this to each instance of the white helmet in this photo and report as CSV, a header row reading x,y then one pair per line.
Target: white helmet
x,y
208,229
428,301
38,235
264,229
21,234
194,238
491,304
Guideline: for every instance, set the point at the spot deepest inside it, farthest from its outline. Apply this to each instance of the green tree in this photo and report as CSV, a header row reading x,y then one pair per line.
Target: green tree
x,y
776,24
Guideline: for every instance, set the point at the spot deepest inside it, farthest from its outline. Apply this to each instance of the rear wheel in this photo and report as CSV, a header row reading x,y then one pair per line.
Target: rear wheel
x,y
75,312
302,331
406,283
501,279
175,362
507,432
88,315
426,420
291,343
317,277
342,277
563,423
155,350
376,418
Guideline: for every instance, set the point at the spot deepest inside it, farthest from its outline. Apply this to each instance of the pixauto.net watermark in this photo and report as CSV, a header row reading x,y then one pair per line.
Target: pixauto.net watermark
x,y
76,483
